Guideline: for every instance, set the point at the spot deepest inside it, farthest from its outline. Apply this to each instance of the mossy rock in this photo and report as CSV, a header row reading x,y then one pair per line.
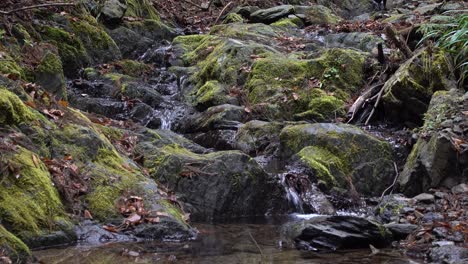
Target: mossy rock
x,y
212,93
434,162
29,204
49,74
71,50
317,15
9,67
13,110
141,9
289,22
255,137
133,68
213,186
322,107
13,247
408,92
362,158
99,45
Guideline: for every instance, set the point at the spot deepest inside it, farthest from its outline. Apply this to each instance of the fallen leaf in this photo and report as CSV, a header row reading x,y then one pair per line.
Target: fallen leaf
x,y
110,228
133,219
35,160
88,215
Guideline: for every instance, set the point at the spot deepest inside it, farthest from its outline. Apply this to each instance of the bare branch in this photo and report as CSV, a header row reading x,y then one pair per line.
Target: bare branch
x,y
7,13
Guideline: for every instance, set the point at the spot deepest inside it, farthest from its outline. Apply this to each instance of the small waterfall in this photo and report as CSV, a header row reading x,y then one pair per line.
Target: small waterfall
x,y
291,194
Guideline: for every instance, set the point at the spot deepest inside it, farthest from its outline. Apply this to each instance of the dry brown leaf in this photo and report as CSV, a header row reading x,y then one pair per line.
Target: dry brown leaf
x,y
87,214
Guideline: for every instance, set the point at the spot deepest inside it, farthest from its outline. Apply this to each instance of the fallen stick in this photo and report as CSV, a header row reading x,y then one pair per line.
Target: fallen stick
x,y
6,13
394,181
361,100
375,105
395,38
221,13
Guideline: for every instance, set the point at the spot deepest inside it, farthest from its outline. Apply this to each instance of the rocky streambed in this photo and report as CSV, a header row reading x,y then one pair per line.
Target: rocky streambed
x,y
125,140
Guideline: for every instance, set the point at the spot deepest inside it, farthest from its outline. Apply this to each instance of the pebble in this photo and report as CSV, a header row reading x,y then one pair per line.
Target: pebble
x,y
443,243
461,188
424,197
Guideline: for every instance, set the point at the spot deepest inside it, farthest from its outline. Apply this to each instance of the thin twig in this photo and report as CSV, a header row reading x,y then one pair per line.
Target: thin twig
x,y
394,181
221,13
375,105
256,244
6,13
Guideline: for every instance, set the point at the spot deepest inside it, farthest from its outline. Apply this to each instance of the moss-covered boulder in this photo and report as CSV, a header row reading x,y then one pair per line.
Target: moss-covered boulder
x,y
272,14
49,74
71,50
212,93
113,11
358,40
284,82
233,18
216,185
13,110
316,14
13,247
29,203
438,159
341,155
217,117
257,137
408,92
98,44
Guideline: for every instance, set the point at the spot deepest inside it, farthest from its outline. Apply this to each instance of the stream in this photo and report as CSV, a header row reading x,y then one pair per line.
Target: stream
x,y
245,241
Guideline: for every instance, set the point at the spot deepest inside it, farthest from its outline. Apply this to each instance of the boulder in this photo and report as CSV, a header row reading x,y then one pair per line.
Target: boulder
x,y
257,136
408,92
436,159
338,153
271,15
400,231
449,255
113,11
214,186
316,15
335,233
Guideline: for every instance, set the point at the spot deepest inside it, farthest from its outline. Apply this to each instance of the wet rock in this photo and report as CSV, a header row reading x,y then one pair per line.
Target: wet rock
x,y
215,185
347,8
113,11
49,74
215,139
246,11
143,92
336,233
217,117
166,229
425,198
400,231
256,136
13,247
271,15
90,233
54,239
449,254
434,161
331,149
432,217
391,206
459,189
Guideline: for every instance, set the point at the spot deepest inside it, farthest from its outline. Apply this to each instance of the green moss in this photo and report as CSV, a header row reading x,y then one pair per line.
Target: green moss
x,y
294,22
323,107
133,68
325,164
50,63
142,9
233,18
29,204
340,70
13,110
318,14
71,50
10,67
210,94
270,75
111,178
13,246
98,44
173,210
